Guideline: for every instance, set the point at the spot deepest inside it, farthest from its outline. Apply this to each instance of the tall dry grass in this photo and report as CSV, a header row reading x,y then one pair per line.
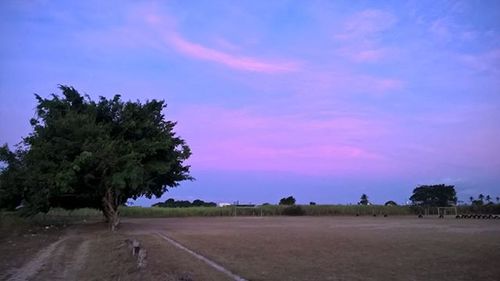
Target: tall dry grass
x,y
59,216
267,210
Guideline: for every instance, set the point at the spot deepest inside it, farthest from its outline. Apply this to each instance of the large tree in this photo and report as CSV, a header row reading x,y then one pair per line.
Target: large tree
x,y
438,195
85,153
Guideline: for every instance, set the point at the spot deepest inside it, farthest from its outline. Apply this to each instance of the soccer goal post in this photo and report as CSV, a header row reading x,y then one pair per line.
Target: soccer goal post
x,y
447,211
247,210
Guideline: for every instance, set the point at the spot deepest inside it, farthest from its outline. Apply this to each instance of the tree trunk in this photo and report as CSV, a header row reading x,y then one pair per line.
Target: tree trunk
x,y
110,209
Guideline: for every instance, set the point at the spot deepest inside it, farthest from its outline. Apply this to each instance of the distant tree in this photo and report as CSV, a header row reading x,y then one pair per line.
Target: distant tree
x,y
477,202
172,203
201,203
438,195
312,203
198,203
287,201
85,153
488,198
481,197
471,199
390,203
266,204
498,200
364,200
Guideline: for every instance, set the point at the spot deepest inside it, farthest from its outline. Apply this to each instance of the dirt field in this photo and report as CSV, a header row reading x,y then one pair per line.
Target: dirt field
x,y
340,248
262,248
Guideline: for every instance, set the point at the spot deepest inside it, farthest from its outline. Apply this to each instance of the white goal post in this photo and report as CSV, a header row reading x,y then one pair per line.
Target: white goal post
x,y
446,211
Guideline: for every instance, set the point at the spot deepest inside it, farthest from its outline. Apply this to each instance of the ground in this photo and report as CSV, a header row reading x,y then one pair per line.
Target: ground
x,y
263,248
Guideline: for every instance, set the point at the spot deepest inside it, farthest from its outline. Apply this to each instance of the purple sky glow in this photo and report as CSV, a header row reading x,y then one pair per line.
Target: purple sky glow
x,y
322,100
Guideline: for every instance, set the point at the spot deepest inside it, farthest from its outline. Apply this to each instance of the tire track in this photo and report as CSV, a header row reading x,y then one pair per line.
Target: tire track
x,y
79,260
202,258
34,265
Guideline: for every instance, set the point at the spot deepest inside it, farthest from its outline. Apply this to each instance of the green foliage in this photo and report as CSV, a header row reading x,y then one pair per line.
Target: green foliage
x,y
490,208
363,200
172,203
439,195
477,202
481,200
97,154
287,201
11,178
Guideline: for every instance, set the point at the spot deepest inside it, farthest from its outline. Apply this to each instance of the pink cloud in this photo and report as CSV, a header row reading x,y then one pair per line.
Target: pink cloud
x,y
369,55
384,85
487,62
363,54
236,62
224,139
360,33
335,144
366,23
172,38
349,83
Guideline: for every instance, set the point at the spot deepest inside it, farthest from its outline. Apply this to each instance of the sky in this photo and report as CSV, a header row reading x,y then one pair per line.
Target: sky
x,y
321,100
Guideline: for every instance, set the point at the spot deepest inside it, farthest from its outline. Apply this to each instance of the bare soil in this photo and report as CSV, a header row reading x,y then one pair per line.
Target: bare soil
x,y
259,248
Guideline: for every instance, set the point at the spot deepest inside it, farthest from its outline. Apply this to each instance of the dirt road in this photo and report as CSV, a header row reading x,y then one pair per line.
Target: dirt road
x,y
91,252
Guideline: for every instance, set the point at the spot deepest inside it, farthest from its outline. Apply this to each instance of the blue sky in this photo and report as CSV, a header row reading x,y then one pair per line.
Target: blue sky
x,y
323,100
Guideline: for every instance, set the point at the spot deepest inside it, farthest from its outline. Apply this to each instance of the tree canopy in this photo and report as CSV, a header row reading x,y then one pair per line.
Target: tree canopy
x,y
85,153
438,195
287,201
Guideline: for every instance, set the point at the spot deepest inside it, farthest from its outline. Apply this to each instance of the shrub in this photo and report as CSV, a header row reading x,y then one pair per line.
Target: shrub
x,y
293,210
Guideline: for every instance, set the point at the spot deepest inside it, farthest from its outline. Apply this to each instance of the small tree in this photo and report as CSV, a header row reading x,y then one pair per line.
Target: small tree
x,y
287,201
364,200
481,197
488,198
312,203
498,200
471,199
